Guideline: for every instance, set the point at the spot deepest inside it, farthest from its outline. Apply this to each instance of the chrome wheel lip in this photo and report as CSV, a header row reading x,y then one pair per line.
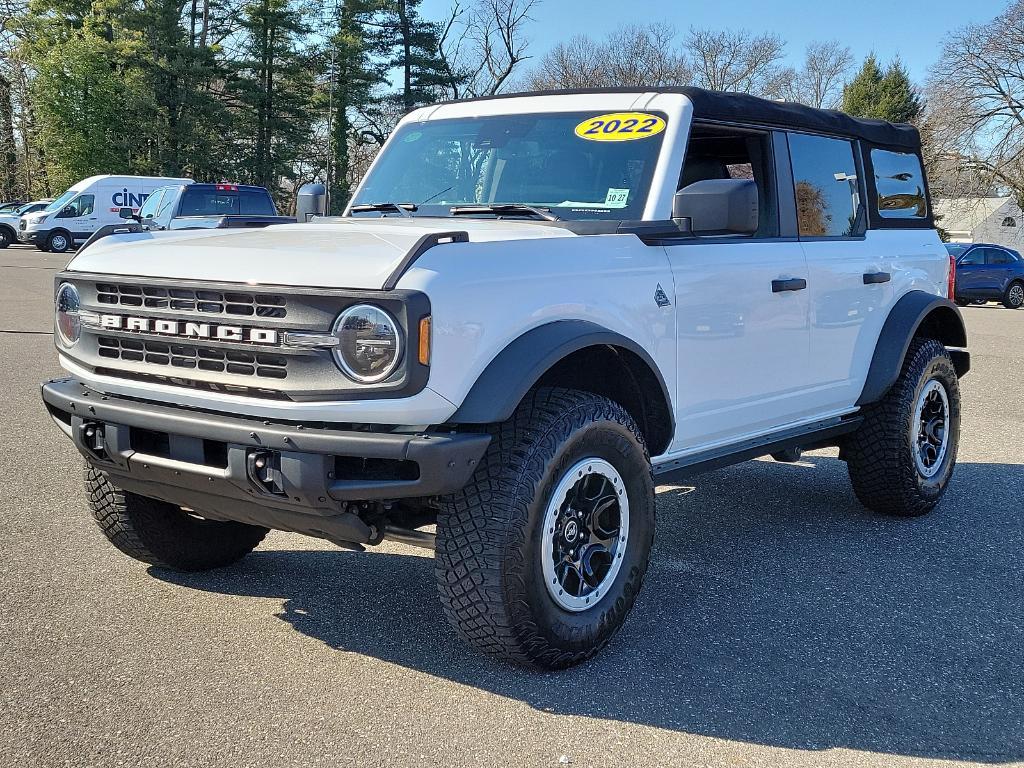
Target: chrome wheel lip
x,y
551,530
925,468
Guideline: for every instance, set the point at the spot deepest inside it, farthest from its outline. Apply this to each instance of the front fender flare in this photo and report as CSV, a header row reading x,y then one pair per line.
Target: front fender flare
x,y
517,368
908,315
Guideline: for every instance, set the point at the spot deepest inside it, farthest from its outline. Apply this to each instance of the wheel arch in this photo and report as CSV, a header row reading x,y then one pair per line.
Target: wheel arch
x,y
10,231
917,313
569,353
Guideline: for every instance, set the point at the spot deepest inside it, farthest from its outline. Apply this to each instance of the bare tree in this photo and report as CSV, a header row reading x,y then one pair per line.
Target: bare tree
x,y
482,44
975,101
573,64
632,56
819,82
736,60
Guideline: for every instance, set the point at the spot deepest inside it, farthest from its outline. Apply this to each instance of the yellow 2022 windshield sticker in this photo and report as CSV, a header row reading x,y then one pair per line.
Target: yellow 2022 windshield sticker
x,y
620,126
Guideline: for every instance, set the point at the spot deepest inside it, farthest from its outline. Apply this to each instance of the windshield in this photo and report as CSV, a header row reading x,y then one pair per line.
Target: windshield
x,y
60,202
580,165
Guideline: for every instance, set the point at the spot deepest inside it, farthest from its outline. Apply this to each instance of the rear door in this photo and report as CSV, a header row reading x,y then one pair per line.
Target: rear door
x,y
1001,268
850,279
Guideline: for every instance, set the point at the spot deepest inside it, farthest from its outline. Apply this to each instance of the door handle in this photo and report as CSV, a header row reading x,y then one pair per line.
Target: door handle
x,y
874,278
791,284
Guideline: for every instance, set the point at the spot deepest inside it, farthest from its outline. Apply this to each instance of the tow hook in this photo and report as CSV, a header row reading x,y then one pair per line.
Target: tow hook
x,y
264,469
93,439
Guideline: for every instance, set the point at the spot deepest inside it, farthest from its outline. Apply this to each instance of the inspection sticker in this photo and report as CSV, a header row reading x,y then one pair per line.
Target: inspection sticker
x,y
621,126
617,198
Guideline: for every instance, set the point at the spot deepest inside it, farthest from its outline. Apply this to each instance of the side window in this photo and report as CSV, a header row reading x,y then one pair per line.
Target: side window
x,y
998,256
151,205
899,181
727,153
82,205
255,203
974,257
828,200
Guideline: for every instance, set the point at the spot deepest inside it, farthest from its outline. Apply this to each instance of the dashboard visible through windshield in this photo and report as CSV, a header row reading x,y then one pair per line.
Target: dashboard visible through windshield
x,y
578,165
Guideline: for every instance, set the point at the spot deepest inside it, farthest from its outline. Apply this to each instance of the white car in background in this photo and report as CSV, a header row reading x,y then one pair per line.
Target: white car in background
x,y
10,218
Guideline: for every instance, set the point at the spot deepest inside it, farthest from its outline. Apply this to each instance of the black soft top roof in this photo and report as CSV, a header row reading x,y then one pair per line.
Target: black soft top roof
x,y
744,108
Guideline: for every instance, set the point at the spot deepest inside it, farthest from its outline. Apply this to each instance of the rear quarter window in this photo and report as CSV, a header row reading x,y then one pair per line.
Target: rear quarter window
x,y
899,182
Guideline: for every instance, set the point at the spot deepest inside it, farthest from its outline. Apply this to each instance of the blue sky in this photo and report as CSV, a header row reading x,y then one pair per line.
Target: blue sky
x,y
912,30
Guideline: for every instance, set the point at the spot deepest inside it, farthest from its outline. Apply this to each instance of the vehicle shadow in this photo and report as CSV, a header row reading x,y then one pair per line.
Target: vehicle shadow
x,y
777,611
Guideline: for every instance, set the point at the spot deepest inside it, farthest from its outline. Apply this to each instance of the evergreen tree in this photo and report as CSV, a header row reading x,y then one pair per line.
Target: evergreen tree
x,y
882,96
416,56
357,72
272,86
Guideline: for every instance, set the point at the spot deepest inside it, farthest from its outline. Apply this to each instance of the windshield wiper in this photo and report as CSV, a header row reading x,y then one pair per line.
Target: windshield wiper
x,y
500,208
401,208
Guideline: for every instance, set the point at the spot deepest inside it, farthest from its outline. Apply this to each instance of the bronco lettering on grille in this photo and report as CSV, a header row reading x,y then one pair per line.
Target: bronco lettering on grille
x,y
189,330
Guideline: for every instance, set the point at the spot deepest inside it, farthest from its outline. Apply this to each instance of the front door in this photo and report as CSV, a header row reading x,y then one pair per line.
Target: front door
x,y
741,306
970,274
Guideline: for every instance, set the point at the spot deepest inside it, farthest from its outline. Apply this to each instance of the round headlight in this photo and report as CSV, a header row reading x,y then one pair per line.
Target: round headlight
x,y
371,343
69,323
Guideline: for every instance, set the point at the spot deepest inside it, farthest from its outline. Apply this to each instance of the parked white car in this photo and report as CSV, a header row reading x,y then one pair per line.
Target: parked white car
x,y
90,204
537,307
9,220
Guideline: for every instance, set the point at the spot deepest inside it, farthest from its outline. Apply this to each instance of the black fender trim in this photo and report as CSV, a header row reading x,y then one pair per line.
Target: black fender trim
x,y
509,376
912,311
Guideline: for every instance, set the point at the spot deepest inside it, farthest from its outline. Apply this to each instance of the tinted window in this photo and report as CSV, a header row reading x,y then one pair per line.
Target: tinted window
x,y
900,184
827,190
955,249
256,203
208,202
997,256
973,258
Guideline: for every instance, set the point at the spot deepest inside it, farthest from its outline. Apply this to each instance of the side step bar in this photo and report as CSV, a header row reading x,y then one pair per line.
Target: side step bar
x,y
817,435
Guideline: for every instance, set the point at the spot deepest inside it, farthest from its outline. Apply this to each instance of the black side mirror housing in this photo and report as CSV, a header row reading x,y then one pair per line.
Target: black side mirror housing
x,y
126,213
718,206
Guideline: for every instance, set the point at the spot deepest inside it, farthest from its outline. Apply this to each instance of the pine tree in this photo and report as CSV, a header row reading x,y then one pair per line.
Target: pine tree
x,y
882,96
271,84
357,71
416,56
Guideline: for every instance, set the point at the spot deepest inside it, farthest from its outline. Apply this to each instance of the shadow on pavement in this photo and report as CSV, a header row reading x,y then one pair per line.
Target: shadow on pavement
x,y
777,611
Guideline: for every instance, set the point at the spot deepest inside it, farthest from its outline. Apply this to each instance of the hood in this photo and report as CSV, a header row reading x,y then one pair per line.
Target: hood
x,y
329,253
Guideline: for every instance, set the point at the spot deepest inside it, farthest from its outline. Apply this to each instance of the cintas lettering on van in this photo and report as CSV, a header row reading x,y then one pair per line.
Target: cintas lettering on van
x,y
87,206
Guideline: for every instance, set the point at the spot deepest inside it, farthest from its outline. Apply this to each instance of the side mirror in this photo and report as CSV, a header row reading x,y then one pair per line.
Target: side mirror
x,y
126,213
67,213
718,207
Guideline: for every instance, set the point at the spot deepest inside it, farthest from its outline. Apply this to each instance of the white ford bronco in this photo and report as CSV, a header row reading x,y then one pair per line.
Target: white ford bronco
x,y
535,308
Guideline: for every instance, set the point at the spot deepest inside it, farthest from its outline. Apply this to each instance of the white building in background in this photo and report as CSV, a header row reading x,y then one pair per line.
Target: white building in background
x,y
981,220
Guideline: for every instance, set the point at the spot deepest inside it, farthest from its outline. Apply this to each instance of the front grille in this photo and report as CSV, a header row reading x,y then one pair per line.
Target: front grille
x,y
188,357
193,300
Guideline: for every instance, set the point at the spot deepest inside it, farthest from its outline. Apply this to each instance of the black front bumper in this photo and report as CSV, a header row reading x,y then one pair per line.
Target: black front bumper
x,y
209,462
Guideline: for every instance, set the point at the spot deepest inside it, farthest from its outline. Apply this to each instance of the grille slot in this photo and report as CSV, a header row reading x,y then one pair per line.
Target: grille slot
x,y
186,357
230,303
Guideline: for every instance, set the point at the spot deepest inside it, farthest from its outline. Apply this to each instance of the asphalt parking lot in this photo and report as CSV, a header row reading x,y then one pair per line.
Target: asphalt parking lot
x,y
781,623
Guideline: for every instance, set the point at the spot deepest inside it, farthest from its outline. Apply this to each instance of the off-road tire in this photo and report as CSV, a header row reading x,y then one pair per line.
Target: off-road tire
x,y
488,562
7,237
880,454
70,244
163,535
1014,299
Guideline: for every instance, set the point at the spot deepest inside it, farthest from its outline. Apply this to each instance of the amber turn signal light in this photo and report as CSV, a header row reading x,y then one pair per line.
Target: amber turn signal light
x,y
424,355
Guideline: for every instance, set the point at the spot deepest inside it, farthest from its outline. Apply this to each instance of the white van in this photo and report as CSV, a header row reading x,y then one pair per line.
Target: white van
x,y
88,205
